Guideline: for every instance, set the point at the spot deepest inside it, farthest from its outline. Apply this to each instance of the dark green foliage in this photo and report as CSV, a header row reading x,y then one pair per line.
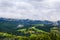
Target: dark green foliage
x,y
9,31
54,34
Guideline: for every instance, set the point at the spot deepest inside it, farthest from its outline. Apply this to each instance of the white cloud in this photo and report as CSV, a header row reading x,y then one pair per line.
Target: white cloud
x,y
30,9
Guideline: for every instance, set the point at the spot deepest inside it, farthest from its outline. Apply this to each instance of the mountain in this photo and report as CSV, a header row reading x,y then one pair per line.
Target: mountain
x,y
24,29
12,25
26,21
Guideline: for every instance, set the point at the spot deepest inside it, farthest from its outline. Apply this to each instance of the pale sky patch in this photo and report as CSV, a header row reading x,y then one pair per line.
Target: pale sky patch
x,y
30,9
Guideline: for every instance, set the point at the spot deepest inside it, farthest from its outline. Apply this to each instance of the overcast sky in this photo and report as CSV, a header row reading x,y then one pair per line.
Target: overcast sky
x,y
30,9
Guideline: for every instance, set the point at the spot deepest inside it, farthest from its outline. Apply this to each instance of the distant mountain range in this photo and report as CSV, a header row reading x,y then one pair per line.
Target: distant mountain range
x,y
26,21
11,25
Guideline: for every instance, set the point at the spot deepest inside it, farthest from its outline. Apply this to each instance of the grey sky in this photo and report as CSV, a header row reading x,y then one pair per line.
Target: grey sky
x,y
30,9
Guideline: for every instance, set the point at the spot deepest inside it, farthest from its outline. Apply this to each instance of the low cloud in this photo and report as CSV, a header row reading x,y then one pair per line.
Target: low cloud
x,y
30,9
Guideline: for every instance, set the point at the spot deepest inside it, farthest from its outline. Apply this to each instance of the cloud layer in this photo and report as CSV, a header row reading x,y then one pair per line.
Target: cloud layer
x,y
30,9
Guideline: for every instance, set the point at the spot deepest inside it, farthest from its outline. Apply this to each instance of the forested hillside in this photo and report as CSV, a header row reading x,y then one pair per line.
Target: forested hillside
x,y
28,30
